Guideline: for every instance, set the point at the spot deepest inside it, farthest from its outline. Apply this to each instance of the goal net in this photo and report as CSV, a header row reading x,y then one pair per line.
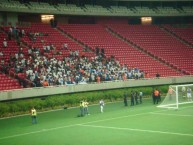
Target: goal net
x,y
176,95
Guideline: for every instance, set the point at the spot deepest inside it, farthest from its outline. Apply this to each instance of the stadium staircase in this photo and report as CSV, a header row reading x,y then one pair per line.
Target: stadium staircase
x,y
184,34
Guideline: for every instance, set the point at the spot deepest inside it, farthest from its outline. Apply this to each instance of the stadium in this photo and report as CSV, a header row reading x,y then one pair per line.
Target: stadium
x,y
96,72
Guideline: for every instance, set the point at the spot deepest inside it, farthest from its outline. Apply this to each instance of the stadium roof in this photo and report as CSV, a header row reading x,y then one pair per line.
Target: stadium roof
x,y
156,0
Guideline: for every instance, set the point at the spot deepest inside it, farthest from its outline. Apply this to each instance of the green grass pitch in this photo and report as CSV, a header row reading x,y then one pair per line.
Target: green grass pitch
x,y
143,124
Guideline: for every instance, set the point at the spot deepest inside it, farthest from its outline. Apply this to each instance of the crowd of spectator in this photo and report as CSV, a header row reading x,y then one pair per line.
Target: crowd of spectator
x,y
15,32
75,69
40,70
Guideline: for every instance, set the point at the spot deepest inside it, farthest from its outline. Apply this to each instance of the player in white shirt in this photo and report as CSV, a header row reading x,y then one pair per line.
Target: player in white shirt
x,y
102,104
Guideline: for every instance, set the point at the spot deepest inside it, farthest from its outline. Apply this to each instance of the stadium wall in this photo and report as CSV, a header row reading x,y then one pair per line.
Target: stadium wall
x,y
13,18
9,18
1,17
45,91
111,20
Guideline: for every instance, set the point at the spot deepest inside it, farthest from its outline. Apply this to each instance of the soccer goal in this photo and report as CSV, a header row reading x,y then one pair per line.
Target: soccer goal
x,y
176,95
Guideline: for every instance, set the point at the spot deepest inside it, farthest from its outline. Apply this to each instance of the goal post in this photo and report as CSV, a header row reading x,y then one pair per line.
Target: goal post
x,y
176,95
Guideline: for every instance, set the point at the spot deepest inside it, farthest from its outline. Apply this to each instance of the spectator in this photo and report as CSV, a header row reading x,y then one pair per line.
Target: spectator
x,y
98,79
157,75
45,83
65,46
71,70
9,35
1,54
22,33
5,43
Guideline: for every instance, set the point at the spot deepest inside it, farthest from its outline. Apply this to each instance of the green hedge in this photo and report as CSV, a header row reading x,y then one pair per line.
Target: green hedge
x,y
69,100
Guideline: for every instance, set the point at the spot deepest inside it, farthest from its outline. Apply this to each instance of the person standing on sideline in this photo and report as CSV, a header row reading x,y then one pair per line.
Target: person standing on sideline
x,y
136,98
153,96
189,94
159,96
102,104
81,108
86,108
132,98
125,98
156,95
140,97
34,115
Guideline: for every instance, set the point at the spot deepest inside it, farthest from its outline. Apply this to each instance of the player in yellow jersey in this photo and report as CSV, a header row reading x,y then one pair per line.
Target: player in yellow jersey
x,y
81,108
86,108
34,115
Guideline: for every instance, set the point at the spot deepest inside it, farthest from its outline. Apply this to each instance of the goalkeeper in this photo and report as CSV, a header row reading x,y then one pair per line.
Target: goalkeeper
x,y
189,94
184,91
170,92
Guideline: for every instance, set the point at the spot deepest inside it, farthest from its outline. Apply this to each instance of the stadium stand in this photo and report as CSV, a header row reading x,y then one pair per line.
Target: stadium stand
x,y
135,49
185,32
145,10
121,10
41,6
69,8
14,5
97,36
7,64
47,36
167,10
187,9
150,49
7,83
159,44
96,9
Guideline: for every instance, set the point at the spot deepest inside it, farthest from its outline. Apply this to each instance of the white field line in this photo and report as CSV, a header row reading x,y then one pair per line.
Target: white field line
x,y
139,130
172,114
167,106
55,128
186,107
39,131
182,108
114,118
